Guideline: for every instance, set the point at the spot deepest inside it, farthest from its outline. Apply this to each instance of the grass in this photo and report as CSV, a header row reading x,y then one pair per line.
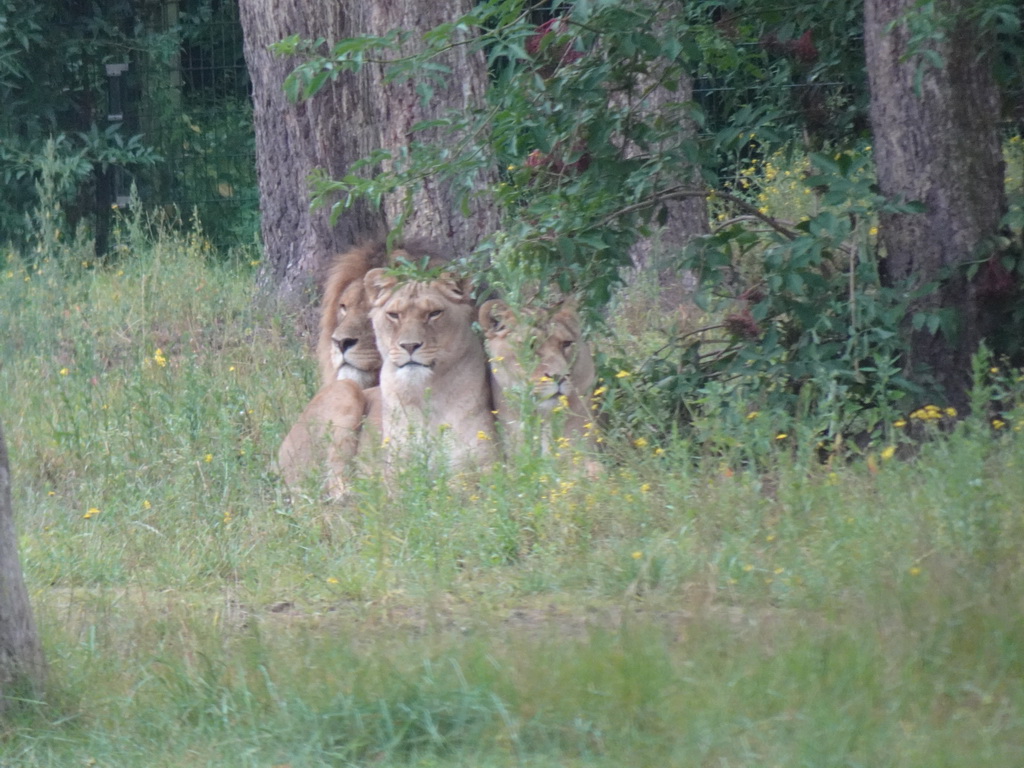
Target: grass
x,y
672,612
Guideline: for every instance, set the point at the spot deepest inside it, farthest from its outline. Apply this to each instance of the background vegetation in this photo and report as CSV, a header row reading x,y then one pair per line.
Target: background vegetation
x,y
681,609
781,564
176,120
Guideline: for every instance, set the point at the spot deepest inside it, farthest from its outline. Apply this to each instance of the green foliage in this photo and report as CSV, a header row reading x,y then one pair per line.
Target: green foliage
x,y
600,116
54,88
670,611
589,163
807,331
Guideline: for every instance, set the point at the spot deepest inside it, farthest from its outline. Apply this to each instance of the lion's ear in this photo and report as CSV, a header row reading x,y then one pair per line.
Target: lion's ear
x,y
455,289
377,283
494,317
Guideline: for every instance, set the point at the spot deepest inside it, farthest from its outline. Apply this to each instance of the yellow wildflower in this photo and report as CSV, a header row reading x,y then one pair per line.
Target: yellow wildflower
x,y
208,458
622,375
92,512
481,435
640,442
998,423
158,357
781,436
637,555
63,371
753,415
888,452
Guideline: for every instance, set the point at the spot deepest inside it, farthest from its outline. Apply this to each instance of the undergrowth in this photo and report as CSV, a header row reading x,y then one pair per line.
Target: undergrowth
x,y
687,607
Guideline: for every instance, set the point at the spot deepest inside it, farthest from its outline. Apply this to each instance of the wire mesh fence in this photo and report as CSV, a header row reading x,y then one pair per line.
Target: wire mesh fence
x,y
193,105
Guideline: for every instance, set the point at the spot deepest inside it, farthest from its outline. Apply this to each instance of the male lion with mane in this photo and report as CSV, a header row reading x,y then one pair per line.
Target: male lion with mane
x,y
539,358
434,377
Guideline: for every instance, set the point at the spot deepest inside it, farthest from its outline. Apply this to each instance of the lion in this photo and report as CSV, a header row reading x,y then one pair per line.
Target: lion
x,y
434,379
325,437
345,345
540,354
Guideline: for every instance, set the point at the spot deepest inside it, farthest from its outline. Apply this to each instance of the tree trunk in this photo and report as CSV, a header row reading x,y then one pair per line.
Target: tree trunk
x,y
686,218
936,141
344,122
329,131
436,215
22,668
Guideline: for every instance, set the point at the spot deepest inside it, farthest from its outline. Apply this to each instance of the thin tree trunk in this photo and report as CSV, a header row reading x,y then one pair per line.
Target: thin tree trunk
x,y
685,219
936,141
22,667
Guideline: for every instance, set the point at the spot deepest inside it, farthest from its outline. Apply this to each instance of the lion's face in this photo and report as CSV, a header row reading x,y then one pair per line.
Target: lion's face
x,y
353,351
539,349
422,328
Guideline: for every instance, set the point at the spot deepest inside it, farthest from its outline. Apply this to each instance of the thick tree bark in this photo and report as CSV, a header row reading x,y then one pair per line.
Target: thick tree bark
x,y
936,141
22,668
329,131
344,122
436,215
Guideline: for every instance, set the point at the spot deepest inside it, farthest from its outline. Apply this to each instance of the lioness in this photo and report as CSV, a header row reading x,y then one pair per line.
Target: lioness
x,y
345,346
540,353
325,436
434,377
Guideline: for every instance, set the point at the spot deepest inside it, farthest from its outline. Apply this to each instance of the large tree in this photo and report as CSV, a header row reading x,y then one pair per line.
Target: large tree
x,y
22,667
934,114
356,113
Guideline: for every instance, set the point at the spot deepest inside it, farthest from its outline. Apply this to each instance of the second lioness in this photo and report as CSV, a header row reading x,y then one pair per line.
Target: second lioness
x,y
540,359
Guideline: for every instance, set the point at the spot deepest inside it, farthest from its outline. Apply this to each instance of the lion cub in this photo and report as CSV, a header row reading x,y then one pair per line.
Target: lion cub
x,y
540,353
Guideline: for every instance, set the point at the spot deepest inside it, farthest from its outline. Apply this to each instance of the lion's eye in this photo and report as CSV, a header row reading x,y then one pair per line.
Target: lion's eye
x,y
566,345
342,310
393,316
435,314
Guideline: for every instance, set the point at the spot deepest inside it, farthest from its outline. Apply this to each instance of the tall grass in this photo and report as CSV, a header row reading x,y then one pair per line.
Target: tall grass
x,y
676,611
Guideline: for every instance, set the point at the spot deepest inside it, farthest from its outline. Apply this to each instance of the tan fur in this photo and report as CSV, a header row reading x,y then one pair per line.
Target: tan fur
x,y
541,354
345,344
434,379
325,437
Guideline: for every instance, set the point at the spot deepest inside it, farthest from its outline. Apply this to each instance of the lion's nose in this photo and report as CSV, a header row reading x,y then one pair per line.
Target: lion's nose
x,y
410,346
344,345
